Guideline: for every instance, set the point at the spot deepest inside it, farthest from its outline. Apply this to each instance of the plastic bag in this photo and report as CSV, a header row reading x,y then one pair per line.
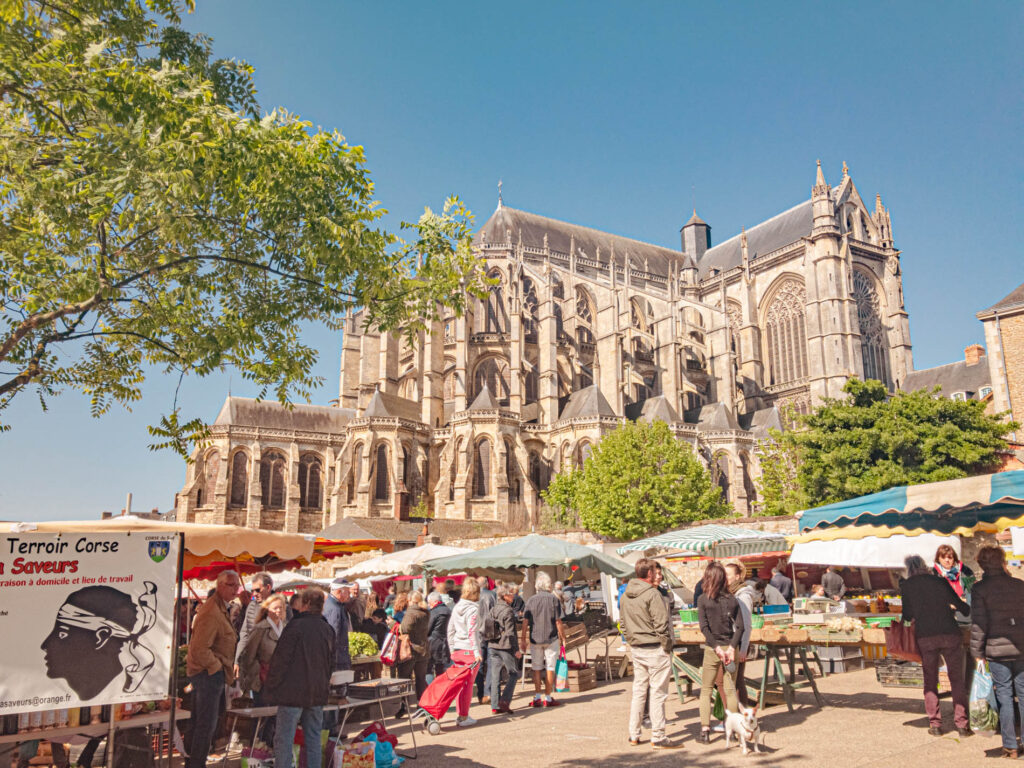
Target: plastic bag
x,y
983,711
562,673
389,650
717,706
360,755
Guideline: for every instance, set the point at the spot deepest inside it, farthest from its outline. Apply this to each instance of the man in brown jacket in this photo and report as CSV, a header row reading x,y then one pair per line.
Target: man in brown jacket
x,y
210,664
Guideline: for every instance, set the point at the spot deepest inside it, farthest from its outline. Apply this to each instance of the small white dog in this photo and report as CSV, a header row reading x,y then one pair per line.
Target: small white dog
x,y
743,725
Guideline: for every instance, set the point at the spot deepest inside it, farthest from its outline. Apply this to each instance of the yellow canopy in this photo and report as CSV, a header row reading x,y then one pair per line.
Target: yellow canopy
x,y
204,544
882,531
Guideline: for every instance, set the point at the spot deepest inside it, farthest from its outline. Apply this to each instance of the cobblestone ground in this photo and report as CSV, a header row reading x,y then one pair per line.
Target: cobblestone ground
x,y
862,724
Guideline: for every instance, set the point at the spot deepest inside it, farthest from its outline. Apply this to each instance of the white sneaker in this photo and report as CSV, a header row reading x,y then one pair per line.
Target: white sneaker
x,y
647,722
466,721
720,728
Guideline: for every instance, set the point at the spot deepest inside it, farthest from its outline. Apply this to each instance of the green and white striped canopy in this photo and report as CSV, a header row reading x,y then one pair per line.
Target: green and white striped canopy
x,y
699,539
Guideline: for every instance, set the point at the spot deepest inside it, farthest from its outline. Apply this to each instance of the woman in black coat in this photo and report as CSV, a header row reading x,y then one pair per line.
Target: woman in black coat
x,y
930,602
437,634
719,615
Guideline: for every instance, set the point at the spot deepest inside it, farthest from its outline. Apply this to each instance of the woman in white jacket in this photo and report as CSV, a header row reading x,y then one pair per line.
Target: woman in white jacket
x,y
462,640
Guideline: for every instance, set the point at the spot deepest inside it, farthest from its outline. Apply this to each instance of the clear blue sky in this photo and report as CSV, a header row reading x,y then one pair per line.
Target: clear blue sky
x,y
614,115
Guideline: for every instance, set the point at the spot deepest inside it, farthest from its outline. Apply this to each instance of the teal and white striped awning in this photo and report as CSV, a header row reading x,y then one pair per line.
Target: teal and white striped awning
x,y
700,539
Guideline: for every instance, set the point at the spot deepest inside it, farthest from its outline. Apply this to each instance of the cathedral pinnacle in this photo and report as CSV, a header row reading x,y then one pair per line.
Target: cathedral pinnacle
x,y
819,179
499,194
846,170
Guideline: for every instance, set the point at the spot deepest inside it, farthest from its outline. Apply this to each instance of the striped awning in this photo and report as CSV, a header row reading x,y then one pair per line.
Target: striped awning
x,y
760,545
700,539
988,503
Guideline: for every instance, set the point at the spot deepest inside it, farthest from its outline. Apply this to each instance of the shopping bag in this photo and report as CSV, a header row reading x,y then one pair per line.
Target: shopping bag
x,y
900,642
389,649
984,713
562,673
356,755
717,706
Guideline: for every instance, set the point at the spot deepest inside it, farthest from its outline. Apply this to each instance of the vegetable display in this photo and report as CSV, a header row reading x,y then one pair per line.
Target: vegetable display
x,y
361,644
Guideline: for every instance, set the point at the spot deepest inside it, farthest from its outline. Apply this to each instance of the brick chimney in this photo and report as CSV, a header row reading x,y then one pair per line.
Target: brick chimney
x,y
974,353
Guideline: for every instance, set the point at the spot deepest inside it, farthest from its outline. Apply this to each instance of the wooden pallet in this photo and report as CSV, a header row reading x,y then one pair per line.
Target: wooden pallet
x,y
582,679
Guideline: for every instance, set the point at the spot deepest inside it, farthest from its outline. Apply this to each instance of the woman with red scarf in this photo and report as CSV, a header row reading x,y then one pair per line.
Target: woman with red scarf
x,y
949,567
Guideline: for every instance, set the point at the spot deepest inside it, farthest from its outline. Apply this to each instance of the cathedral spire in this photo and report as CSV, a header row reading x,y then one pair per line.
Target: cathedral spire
x,y
821,198
500,202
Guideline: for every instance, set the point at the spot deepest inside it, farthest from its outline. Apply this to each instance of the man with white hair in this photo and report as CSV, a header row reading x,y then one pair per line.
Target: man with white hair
x,y
210,664
336,615
544,635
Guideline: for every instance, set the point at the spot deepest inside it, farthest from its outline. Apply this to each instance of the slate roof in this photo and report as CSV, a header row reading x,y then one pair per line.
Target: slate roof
x,y
759,422
658,409
484,401
346,528
533,227
783,229
952,377
385,405
716,416
1014,299
247,412
586,402
409,531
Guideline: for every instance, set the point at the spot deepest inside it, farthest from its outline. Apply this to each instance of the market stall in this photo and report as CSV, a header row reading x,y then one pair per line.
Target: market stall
x,y
405,562
699,540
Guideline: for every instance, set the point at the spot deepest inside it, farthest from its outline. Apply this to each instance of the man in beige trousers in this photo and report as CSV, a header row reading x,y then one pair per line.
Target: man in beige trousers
x,y
647,628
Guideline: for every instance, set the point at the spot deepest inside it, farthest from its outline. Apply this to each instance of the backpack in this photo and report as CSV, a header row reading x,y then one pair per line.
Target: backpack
x,y
491,630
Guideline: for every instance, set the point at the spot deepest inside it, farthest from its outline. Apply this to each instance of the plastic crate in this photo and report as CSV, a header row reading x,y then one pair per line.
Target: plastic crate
x,y
688,615
772,610
879,621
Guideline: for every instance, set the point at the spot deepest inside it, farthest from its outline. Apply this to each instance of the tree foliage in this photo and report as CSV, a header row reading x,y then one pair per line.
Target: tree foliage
x,y
869,441
150,217
639,480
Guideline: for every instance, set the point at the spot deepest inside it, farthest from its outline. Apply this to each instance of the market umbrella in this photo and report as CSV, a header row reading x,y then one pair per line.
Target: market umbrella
x,y
987,502
700,539
533,551
405,562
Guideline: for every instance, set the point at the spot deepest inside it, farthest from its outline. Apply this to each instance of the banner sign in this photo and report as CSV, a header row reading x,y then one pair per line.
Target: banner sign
x,y
86,619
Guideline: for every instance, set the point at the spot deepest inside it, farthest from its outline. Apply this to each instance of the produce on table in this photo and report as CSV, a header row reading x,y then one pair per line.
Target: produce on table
x,y
361,644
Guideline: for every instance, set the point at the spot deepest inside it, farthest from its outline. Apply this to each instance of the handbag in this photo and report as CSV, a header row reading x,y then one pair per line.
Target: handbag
x,y
389,650
404,648
901,643
562,672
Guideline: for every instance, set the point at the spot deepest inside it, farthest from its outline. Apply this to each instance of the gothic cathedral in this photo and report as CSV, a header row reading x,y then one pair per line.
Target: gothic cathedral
x,y
581,330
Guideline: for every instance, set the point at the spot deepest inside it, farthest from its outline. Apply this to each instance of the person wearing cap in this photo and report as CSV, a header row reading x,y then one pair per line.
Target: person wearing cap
x,y
437,634
336,614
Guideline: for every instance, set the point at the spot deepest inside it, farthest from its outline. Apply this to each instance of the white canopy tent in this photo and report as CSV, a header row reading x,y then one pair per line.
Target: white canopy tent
x,y
404,562
871,551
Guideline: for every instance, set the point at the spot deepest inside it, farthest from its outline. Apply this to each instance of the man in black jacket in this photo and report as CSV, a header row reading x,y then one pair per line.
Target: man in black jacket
x,y
298,680
437,634
997,635
782,582
502,649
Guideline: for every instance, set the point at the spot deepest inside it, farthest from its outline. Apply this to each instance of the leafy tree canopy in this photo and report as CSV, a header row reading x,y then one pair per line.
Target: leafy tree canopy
x,y
869,441
639,480
150,217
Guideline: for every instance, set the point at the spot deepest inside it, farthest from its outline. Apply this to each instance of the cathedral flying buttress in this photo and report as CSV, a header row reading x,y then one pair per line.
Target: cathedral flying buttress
x,y
581,330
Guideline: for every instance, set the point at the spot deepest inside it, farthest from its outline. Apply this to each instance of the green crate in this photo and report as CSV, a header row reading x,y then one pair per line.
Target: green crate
x,y
688,615
756,621
879,621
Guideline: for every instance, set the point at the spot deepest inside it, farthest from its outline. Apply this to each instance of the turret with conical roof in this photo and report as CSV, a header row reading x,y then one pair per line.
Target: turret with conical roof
x,y
821,204
695,236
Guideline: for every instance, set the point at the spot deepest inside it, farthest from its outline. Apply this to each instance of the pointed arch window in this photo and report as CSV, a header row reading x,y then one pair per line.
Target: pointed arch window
x,y
482,469
494,318
785,329
873,347
494,372
382,485
272,480
239,479
538,471
529,311
211,470
310,482
453,471
720,473
511,472
584,317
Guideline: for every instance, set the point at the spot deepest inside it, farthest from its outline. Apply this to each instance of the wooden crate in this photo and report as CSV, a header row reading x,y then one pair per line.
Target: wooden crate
x,y
582,679
616,661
